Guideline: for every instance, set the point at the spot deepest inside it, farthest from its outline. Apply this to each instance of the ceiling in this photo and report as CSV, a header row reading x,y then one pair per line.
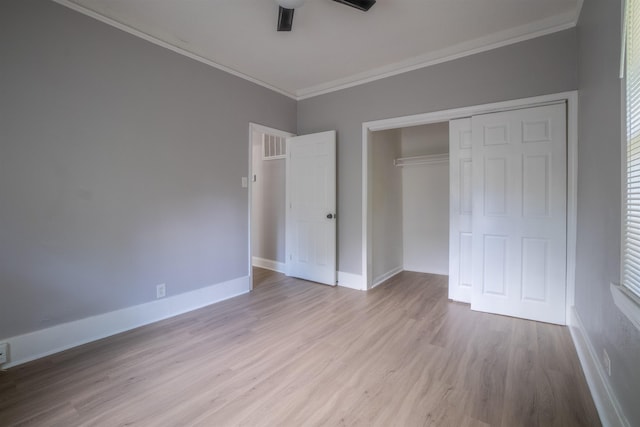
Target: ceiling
x,y
331,46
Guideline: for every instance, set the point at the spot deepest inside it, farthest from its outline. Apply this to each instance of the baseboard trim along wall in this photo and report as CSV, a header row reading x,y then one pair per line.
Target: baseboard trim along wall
x,y
386,276
268,264
609,409
350,280
37,344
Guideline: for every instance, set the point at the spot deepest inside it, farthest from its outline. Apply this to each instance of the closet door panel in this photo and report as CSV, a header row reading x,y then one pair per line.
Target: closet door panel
x,y
519,213
460,210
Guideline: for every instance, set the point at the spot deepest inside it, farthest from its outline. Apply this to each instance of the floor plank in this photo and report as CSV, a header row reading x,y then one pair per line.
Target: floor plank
x,y
297,353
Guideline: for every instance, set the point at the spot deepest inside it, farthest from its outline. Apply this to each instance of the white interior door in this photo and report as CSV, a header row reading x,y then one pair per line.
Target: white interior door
x,y
519,213
311,207
460,210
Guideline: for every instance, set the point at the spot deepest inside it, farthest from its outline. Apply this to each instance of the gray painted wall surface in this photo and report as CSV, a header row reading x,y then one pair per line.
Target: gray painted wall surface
x,y
534,67
599,204
386,204
120,167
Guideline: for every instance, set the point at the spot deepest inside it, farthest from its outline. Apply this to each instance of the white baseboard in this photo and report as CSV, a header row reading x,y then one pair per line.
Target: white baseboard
x,y
425,270
268,264
609,409
37,344
386,276
350,280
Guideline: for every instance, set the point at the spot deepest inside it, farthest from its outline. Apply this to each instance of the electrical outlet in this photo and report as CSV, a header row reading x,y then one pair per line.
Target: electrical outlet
x,y
3,353
161,290
606,361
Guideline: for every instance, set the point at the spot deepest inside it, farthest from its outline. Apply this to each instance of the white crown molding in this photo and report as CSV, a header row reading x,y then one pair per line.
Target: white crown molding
x,y
468,48
126,28
471,47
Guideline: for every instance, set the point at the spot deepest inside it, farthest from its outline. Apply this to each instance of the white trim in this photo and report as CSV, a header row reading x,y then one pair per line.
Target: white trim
x,y
430,159
350,280
269,264
445,115
608,407
367,230
572,199
182,51
627,303
386,276
258,128
482,44
252,127
34,345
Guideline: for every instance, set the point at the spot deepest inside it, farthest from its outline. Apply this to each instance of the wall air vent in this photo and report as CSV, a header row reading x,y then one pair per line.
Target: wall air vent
x,y
273,147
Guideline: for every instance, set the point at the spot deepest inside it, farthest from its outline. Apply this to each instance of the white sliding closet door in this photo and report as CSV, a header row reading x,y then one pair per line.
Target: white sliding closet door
x,y
519,213
460,208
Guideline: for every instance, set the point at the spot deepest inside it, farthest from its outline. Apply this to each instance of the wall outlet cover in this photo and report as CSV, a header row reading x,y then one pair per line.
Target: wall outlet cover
x,y
606,361
161,290
3,353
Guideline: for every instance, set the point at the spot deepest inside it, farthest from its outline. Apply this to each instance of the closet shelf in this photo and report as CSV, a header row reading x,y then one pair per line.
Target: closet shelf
x,y
431,159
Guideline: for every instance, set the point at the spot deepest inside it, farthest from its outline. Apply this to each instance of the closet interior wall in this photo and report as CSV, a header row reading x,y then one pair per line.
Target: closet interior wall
x,y
425,199
410,204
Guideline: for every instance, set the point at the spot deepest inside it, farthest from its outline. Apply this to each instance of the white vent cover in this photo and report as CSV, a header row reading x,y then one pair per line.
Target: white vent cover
x,y
273,147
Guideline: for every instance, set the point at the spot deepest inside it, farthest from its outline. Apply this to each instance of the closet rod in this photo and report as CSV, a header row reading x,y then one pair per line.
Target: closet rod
x,y
422,160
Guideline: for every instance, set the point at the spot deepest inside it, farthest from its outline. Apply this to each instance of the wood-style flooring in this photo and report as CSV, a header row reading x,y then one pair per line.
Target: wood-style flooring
x,y
293,353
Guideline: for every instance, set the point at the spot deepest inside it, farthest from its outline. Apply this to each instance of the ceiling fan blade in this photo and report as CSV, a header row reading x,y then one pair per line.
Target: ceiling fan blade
x,y
285,19
358,4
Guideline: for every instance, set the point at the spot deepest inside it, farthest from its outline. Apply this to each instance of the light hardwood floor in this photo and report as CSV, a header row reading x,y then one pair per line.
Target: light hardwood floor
x,y
292,353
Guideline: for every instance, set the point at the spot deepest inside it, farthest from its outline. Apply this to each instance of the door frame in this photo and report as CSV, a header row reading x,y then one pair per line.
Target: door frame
x,y
255,127
571,99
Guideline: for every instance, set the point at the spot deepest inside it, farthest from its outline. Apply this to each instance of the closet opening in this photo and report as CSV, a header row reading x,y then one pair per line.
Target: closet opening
x,y
409,185
520,181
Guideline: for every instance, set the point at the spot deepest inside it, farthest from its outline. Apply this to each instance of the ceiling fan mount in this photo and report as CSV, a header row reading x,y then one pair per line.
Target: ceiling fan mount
x,y
287,8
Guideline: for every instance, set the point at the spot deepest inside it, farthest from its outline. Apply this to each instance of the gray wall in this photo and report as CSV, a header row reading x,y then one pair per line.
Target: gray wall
x,y
386,204
120,167
534,67
268,202
599,171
